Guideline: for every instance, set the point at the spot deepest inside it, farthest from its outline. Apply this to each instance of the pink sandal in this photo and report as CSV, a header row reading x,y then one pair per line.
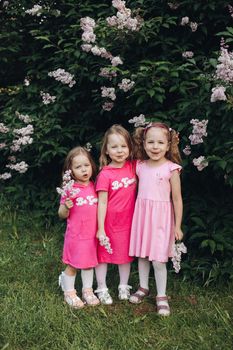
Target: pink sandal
x,y
89,297
73,300
139,295
162,306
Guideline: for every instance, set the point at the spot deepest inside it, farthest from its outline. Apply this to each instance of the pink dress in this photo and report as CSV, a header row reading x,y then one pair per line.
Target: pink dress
x,y
80,244
152,233
120,183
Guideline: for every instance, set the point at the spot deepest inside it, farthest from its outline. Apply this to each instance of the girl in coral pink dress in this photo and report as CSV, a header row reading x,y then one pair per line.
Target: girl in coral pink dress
x,y
116,187
79,207
158,209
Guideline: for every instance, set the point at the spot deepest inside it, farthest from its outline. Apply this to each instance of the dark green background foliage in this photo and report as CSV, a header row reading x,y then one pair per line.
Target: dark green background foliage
x,y
168,88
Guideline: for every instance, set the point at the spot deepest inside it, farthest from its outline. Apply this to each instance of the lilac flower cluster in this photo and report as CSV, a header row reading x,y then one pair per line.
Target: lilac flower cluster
x,y
173,5
24,117
105,242
88,146
3,128
230,8
187,150
178,249
224,70
63,76
88,25
107,106
108,92
107,73
21,167
26,81
199,131
200,163
47,98
67,189
138,121
126,84
187,54
36,10
185,21
123,19
218,94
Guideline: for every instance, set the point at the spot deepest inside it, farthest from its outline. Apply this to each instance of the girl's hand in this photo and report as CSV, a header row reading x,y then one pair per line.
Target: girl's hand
x,y
68,203
178,234
100,233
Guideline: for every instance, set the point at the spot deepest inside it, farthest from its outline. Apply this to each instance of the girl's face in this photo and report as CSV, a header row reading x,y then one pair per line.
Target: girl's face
x,y
81,169
156,144
117,150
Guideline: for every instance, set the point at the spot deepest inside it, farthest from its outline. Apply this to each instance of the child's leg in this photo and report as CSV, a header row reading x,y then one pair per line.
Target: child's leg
x,y
160,271
87,292
124,288
102,290
67,283
143,290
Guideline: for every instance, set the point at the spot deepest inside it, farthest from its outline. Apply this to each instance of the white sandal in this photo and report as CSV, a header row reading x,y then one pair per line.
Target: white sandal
x,y
73,300
89,297
104,296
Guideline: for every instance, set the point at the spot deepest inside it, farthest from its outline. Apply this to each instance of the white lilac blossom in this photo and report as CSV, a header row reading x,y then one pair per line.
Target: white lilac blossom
x,y
28,130
5,176
67,189
178,249
36,10
184,20
63,76
218,94
199,131
115,61
173,5
126,84
24,117
86,47
107,106
21,167
224,69
138,121
21,141
3,145
108,92
105,242
187,54
187,150
107,73
47,98
88,25
230,8
3,128
200,163
88,146
26,82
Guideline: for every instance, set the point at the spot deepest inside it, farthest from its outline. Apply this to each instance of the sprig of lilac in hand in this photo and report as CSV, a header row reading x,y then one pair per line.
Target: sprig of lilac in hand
x,y
105,242
178,249
67,189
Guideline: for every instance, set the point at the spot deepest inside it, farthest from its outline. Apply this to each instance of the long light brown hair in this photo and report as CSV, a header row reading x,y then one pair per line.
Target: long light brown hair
x,y
76,152
114,129
139,137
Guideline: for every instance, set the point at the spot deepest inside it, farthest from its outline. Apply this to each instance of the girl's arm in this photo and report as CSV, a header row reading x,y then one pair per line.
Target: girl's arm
x,y
102,209
177,203
64,209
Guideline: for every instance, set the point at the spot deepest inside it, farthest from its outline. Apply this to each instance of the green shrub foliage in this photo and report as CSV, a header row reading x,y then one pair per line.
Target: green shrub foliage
x,y
171,85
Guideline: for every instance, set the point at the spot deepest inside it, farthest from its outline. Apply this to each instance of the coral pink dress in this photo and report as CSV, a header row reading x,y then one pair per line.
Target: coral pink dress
x,y
80,244
120,183
152,233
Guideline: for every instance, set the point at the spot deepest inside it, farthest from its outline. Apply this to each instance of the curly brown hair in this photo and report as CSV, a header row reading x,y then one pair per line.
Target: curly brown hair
x,y
114,129
139,136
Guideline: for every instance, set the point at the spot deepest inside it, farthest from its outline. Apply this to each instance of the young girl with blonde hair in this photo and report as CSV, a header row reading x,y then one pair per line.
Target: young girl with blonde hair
x,y
158,209
116,187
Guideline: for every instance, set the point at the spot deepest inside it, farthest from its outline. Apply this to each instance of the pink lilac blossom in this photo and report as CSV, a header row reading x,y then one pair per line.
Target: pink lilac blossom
x,y
16,144
12,159
88,25
178,249
224,69
63,76
105,242
184,20
5,176
3,128
24,117
36,10
67,189
86,47
107,73
199,131
108,106
108,92
21,167
187,54
89,37
187,150
3,145
126,84
218,94
47,98
200,163
138,121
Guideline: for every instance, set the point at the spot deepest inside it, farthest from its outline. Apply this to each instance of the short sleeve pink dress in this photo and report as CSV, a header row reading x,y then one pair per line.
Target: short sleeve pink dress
x,y
80,244
120,183
152,233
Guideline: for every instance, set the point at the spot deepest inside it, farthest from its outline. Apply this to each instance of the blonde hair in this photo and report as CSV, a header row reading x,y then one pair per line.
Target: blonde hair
x,y
114,129
76,152
139,136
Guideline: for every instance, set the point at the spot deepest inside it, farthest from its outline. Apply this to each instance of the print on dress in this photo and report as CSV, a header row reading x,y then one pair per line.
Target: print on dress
x,y
124,182
90,200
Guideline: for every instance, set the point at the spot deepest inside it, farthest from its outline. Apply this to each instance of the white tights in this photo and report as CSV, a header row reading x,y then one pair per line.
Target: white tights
x,y
101,273
160,272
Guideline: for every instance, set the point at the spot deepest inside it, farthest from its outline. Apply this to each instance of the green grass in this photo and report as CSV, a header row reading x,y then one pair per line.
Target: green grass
x,y
33,315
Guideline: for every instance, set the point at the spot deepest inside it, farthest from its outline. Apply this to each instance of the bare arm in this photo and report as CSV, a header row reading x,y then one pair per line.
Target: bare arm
x,y
177,203
64,209
102,209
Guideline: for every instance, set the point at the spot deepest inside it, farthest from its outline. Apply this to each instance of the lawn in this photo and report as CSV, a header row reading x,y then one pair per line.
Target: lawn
x,y
33,315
